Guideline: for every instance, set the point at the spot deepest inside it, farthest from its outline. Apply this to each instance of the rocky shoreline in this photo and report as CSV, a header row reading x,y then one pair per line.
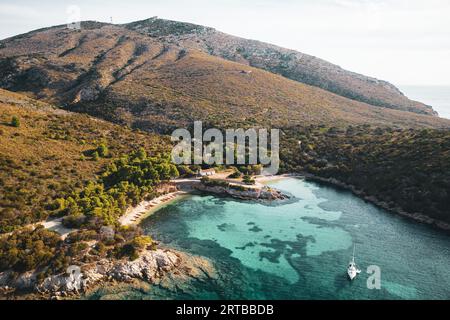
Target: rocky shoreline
x,y
152,266
382,204
163,265
244,193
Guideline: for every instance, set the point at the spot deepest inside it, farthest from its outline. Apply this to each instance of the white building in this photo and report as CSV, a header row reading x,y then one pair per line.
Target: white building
x,y
206,172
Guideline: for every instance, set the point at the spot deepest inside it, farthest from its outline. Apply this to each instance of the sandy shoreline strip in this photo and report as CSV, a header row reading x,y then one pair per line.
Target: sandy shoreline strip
x,y
266,179
145,208
136,214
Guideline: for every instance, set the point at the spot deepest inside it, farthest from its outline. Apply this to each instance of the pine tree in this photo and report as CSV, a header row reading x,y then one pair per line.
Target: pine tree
x,y
95,156
103,150
15,122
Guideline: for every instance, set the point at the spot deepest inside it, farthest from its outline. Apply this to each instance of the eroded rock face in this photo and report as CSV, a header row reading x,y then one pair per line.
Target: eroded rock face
x,y
152,266
264,193
87,94
148,267
5,278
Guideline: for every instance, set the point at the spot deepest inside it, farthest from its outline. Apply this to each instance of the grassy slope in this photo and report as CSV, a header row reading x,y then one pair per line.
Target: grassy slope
x,y
43,158
127,77
289,63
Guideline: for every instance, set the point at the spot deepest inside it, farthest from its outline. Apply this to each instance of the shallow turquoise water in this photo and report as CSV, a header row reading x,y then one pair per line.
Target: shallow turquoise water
x,y
299,249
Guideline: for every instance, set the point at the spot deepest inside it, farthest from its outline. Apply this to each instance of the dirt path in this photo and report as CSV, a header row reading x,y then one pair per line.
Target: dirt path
x,y
57,226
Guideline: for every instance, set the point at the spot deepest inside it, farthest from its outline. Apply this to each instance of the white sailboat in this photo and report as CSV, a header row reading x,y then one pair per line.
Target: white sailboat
x,y
352,270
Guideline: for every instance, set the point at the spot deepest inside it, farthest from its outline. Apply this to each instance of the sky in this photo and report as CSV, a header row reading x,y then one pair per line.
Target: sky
x,y
406,42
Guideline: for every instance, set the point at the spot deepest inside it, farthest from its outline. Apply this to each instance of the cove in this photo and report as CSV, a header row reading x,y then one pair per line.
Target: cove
x,y
299,249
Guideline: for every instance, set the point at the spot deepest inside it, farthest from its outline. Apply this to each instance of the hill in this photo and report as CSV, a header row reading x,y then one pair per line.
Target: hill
x,y
288,63
160,82
404,171
51,153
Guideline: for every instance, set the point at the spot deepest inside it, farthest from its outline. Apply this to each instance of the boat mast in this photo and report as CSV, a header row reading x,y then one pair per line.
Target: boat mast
x,y
353,257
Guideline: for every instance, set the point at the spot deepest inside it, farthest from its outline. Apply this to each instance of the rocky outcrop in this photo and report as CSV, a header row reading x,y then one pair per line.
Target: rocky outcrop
x,y
87,94
151,266
245,193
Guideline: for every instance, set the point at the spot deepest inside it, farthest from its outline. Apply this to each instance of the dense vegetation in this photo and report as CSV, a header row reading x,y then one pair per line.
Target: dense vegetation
x,y
44,251
29,249
55,163
409,169
52,154
95,209
125,182
61,164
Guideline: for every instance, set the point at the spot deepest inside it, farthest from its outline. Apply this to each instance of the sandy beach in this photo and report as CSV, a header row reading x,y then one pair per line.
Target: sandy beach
x,y
145,208
261,180
136,214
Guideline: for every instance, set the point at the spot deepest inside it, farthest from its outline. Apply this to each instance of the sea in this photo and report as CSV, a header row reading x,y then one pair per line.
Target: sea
x,y
436,96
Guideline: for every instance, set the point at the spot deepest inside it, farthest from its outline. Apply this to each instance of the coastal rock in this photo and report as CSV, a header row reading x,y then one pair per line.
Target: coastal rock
x,y
26,281
151,266
59,283
190,268
148,266
246,193
5,278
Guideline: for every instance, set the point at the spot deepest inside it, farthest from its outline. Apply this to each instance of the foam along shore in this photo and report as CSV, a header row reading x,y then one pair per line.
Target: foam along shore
x,y
135,215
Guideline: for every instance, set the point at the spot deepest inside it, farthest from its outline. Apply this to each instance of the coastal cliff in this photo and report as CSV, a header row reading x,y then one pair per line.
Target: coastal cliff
x,y
152,266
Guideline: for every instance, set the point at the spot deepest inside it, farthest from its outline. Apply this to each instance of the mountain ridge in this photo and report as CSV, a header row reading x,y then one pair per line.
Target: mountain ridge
x,y
124,76
252,52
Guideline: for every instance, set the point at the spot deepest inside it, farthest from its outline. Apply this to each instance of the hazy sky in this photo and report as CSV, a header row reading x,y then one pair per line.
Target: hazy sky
x,y
402,41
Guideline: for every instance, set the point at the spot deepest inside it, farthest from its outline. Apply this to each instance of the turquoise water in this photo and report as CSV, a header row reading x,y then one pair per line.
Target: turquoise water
x,y
299,249
436,96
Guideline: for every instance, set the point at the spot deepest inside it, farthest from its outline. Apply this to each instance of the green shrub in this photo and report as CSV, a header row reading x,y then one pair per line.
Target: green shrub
x,y
95,156
132,248
237,187
205,180
15,122
235,175
102,150
28,249
248,180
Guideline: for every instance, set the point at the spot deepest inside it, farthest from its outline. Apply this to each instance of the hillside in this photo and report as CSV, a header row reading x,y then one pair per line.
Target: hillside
x,y
288,63
51,154
160,82
83,118
401,170
153,82
84,171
